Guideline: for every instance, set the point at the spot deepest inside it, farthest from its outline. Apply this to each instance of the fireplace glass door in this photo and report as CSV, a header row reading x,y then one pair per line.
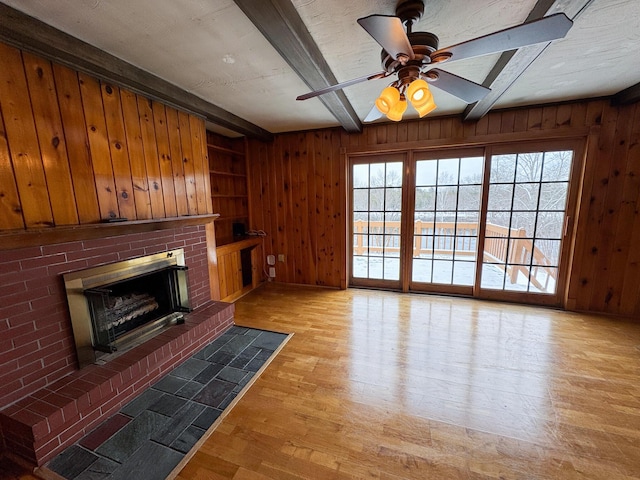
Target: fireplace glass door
x,y
136,305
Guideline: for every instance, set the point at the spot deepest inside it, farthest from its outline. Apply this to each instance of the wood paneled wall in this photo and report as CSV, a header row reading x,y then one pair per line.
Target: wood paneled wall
x,y
74,150
297,193
297,196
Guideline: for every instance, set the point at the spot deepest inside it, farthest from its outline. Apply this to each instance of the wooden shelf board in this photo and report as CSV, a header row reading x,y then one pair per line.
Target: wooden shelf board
x,y
228,174
224,150
238,245
69,233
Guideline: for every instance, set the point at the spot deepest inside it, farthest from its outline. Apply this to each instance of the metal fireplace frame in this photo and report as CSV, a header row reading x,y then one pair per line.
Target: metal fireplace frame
x,y
76,283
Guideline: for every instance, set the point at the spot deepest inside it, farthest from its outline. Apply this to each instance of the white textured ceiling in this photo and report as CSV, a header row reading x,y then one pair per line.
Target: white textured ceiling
x,y
211,49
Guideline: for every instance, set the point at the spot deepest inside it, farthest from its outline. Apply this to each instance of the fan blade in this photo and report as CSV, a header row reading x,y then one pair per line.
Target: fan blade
x,y
538,31
462,88
333,88
389,33
373,115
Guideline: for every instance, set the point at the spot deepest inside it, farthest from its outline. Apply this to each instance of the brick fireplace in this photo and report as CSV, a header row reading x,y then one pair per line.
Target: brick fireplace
x,y
46,401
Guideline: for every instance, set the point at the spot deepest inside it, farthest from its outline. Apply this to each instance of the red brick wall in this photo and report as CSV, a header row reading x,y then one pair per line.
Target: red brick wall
x,y
36,342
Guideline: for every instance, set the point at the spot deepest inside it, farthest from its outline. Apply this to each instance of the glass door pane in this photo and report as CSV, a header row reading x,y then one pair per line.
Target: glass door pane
x,y
525,221
448,195
376,221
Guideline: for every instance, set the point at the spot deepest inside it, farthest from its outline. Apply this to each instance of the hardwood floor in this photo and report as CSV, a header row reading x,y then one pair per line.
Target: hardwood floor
x,y
389,386
395,386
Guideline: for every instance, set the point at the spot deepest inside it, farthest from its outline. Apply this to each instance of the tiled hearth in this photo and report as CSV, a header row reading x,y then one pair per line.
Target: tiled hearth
x,y
150,435
46,401
40,425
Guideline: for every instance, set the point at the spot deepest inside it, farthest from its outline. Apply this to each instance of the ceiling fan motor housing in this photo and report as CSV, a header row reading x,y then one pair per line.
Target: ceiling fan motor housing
x,y
423,45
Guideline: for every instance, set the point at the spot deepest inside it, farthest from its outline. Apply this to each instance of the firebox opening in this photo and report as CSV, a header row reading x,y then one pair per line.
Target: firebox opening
x,y
122,307
118,305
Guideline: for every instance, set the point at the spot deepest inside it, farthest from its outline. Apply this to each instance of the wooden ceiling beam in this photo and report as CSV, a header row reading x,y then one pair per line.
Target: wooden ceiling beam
x,y
281,25
512,64
627,96
30,34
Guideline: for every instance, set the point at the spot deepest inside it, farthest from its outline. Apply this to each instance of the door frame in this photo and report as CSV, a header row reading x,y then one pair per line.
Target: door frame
x,y
576,140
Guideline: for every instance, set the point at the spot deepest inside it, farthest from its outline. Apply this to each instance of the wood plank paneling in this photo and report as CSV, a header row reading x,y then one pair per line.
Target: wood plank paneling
x,y
605,268
179,182
119,153
164,156
22,139
75,151
46,113
151,159
10,211
201,164
99,146
77,143
188,161
135,148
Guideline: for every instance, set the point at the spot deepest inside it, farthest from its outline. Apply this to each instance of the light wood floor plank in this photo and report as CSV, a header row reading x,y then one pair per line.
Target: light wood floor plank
x,y
390,386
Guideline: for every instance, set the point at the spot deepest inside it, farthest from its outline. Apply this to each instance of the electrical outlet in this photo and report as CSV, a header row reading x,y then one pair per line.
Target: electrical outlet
x,y
281,257
272,272
271,260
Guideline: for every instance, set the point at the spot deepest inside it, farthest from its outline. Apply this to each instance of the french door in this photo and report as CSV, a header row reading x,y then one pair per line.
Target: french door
x,y
486,222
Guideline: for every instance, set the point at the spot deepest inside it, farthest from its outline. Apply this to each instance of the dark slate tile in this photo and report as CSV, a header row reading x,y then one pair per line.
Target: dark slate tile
x,y
254,365
180,421
189,369
189,390
269,340
124,443
170,384
221,357
213,347
232,375
208,373
106,429
264,355
214,393
245,357
253,332
227,401
72,461
207,417
237,344
139,404
99,470
243,382
151,461
187,439
168,405
236,330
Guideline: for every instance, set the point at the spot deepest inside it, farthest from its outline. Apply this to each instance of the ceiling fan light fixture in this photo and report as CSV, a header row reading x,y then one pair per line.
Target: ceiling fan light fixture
x,y
395,114
426,108
418,93
388,99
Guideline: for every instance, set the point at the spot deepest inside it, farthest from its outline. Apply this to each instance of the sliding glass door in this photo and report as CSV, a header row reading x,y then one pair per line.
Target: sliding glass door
x,y
448,194
376,227
484,222
526,223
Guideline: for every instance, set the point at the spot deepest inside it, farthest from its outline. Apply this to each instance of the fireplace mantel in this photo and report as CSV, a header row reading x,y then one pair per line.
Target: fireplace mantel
x,y
48,236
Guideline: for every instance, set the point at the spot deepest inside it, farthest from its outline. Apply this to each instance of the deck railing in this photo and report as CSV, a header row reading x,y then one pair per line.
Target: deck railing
x,y
444,238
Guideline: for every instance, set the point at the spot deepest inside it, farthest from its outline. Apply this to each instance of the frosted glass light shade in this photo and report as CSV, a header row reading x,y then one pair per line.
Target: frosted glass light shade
x,y
397,111
426,108
418,93
389,97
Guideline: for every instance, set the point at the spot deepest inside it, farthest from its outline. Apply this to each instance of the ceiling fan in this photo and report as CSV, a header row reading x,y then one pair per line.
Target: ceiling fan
x,y
414,57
